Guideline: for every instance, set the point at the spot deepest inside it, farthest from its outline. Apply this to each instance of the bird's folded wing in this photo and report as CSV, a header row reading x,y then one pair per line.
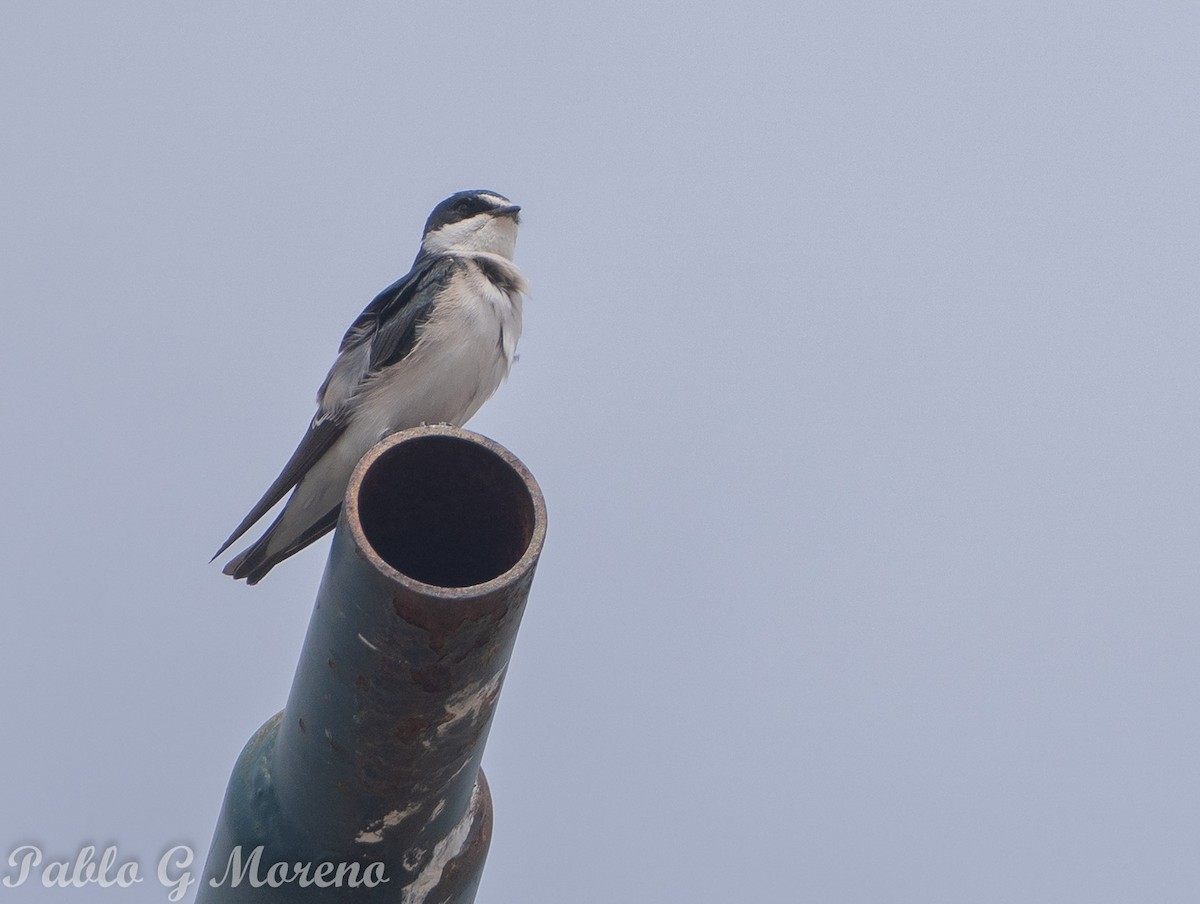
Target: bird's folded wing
x,y
380,336
316,442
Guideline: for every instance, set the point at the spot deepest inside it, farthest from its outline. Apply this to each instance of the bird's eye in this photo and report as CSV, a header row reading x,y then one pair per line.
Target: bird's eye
x,y
463,206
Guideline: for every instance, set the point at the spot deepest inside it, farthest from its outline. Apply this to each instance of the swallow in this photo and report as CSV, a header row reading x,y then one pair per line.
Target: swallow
x,y
431,348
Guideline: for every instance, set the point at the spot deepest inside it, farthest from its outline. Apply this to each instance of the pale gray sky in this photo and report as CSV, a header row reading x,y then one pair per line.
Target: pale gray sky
x,y
859,374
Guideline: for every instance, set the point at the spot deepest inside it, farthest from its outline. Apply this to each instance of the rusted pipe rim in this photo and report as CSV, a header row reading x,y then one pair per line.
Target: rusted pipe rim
x,y
465,450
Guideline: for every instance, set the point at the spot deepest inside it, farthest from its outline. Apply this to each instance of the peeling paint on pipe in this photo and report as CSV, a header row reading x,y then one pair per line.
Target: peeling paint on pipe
x,y
375,759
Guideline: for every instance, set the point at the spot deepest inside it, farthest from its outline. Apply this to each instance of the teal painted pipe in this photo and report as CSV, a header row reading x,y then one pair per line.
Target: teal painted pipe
x,y
367,786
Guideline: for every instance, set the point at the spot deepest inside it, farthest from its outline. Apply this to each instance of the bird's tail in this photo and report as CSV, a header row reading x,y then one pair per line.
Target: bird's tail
x,y
262,555
253,562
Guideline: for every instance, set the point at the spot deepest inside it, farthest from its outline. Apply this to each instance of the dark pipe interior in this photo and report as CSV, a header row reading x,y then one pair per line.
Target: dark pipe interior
x,y
445,511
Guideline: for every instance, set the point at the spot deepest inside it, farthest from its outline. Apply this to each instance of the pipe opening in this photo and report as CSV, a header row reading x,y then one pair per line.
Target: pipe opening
x,y
445,511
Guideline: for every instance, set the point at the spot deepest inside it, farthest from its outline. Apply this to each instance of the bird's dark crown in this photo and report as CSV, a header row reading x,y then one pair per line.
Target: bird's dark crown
x,y
464,204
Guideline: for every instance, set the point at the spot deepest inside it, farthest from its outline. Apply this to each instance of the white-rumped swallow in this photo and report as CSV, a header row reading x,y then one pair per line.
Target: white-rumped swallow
x,y
430,349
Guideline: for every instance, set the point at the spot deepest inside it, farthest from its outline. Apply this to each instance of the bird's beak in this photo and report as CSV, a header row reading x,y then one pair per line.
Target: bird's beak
x,y
510,211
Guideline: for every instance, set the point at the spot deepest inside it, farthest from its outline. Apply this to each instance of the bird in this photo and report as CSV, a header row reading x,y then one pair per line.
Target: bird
x,y
431,348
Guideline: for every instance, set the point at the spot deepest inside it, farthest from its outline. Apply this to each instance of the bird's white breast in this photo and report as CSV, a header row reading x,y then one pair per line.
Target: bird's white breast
x,y
463,353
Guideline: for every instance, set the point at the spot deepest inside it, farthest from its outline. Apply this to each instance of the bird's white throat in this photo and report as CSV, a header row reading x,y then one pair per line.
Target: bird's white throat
x,y
483,232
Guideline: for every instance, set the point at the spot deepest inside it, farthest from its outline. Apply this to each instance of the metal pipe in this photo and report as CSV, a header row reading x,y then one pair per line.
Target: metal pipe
x,y
373,766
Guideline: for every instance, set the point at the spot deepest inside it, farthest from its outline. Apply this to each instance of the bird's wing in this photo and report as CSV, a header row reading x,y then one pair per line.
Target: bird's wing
x,y
316,442
402,315
382,334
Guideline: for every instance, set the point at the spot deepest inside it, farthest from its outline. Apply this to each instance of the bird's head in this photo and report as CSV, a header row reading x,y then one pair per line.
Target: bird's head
x,y
469,221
